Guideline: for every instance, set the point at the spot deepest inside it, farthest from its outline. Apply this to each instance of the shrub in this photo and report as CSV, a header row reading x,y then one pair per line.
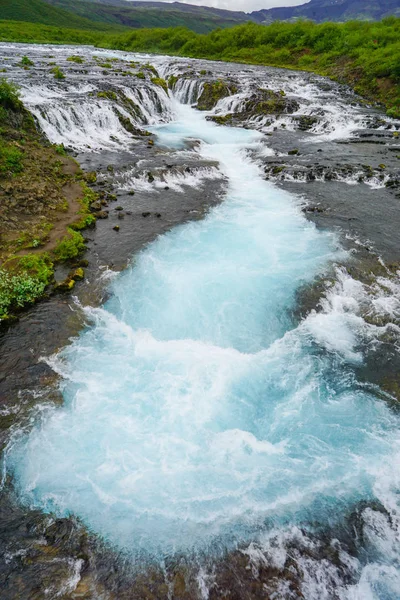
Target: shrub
x,y
23,281
58,74
26,62
9,95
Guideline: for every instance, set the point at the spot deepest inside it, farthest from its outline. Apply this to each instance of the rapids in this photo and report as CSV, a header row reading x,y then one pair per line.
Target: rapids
x,y
200,416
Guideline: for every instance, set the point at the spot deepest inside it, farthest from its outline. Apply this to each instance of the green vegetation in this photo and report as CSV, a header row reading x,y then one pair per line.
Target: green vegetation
x,y
43,195
362,54
58,74
108,94
23,281
39,11
70,246
160,82
18,31
214,91
26,62
197,18
9,95
10,158
76,59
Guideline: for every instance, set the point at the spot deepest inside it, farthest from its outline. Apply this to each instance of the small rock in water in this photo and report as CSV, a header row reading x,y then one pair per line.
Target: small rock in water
x,y
96,205
146,214
116,227
119,208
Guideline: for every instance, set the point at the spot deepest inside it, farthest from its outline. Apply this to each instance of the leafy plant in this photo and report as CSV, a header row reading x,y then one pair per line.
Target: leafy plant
x,y
26,62
58,74
23,280
9,95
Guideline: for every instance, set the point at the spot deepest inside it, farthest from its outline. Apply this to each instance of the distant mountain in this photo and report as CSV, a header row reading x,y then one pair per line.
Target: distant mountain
x,y
331,10
38,11
201,19
116,15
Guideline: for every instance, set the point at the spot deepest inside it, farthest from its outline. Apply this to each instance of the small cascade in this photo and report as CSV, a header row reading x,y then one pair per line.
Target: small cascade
x,y
88,124
187,91
155,104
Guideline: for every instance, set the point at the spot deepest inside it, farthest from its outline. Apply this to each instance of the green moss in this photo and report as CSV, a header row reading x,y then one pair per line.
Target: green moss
x,y
213,91
161,82
222,119
70,246
76,59
140,75
150,68
172,80
108,94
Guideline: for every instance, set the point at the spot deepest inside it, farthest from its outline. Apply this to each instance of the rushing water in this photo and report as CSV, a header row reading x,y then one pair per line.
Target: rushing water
x,y
198,414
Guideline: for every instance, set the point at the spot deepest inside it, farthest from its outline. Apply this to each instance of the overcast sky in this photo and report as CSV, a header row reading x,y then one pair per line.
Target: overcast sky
x,y
246,5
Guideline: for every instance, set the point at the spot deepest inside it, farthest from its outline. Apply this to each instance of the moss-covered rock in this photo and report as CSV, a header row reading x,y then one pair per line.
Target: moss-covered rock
x,y
267,102
160,82
213,92
221,119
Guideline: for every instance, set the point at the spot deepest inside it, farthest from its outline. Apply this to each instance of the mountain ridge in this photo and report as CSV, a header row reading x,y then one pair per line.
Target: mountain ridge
x,y
118,15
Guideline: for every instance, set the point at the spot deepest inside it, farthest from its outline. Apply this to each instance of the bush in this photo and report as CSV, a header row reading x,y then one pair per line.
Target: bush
x,y
26,62
9,95
23,281
58,74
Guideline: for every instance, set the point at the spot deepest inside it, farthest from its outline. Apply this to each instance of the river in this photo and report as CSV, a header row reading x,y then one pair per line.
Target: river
x,y
223,430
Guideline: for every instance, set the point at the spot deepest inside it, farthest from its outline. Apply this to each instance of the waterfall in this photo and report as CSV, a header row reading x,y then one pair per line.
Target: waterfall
x,y
188,91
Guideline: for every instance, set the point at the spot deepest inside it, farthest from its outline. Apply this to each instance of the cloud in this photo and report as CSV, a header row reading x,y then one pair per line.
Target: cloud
x,y
245,5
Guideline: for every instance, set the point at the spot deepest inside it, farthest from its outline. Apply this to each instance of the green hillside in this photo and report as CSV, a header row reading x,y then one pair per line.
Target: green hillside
x,y
38,11
196,18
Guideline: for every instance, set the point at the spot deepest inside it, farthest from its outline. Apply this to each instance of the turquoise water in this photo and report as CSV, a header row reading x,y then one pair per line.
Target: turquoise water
x,y
195,410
